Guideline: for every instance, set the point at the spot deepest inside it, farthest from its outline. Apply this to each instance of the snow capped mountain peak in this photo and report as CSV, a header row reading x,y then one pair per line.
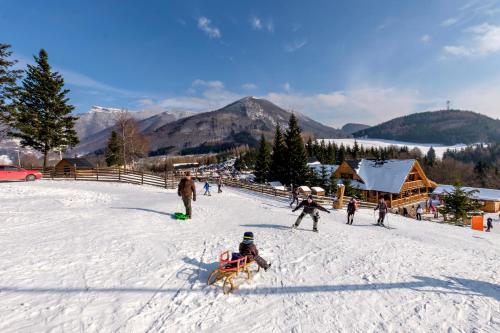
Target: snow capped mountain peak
x,y
101,109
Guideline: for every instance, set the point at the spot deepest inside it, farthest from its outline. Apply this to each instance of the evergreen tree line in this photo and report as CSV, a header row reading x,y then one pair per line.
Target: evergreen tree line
x,y
37,111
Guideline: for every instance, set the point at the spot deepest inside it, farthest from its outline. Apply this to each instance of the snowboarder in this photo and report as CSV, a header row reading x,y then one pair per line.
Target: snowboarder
x,y
219,184
206,187
311,207
351,209
295,196
248,249
187,191
419,212
489,224
382,210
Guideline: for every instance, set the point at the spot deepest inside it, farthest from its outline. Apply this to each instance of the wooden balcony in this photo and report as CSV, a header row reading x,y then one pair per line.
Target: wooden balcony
x,y
412,185
409,200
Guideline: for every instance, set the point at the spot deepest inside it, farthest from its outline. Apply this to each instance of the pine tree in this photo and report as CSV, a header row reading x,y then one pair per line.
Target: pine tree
x,y
333,184
8,88
341,153
297,157
278,159
430,157
355,150
43,118
309,148
458,203
263,163
324,177
113,153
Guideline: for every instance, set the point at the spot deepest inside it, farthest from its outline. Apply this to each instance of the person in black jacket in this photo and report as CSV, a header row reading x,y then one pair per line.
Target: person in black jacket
x,y
489,224
351,209
310,207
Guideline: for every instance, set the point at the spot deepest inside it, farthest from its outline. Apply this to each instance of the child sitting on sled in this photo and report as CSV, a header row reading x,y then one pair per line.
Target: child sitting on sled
x,y
248,249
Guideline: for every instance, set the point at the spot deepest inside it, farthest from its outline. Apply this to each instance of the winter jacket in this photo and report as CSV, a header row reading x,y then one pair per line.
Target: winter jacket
x,y
420,210
382,207
310,207
206,186
351,207
187,188
249,250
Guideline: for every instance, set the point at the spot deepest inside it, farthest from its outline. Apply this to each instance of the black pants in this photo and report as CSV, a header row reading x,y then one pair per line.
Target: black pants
x,y
381,217
419,216
219,189
350,218
261,262
187,205
314,215
294,199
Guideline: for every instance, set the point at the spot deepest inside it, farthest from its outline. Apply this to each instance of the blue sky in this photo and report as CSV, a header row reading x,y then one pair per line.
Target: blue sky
x,y
336,61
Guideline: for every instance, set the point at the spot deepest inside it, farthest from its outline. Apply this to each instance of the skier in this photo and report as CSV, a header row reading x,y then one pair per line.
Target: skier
x,y
310,207
187,191
489,224
405,212
248,249
351,209
382,210
295,196
206,187
419,212
219,184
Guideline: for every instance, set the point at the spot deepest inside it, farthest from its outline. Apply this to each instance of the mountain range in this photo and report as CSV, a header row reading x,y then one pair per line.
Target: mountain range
x,y
447,127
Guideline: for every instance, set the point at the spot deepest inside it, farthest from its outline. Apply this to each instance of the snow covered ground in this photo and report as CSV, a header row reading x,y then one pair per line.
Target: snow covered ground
x,y
424,147
103,257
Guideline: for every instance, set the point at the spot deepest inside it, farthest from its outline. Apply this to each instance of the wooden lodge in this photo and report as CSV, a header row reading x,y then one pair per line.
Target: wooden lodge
x,y
399,182
68,166
489,198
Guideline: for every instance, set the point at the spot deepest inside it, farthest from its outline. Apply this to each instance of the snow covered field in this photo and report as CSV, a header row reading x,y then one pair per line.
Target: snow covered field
x,y
424,147
102,257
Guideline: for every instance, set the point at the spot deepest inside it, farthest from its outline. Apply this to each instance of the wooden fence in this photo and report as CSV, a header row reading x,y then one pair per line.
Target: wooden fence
x,y
170,180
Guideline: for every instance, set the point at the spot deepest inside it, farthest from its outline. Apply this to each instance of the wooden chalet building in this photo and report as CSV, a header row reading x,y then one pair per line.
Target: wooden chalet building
x,y
400,182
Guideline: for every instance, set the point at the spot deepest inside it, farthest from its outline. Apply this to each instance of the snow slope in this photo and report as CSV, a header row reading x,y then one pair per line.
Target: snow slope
x,y
424,147
103,257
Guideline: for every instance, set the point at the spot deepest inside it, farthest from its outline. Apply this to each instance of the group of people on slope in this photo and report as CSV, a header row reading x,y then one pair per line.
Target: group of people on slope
x,y
207,186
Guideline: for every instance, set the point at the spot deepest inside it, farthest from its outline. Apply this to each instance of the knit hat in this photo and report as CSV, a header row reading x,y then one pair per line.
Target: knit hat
x,y
248,236
310,197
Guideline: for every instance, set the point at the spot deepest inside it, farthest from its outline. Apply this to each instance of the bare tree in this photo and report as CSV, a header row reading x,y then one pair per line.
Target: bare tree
x,y
134,145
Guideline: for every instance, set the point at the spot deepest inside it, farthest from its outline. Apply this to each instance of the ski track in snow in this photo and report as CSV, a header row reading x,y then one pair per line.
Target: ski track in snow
x,y
104,257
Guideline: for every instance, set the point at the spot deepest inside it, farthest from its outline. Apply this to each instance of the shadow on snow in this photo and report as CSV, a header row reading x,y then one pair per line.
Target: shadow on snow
x,y
450,285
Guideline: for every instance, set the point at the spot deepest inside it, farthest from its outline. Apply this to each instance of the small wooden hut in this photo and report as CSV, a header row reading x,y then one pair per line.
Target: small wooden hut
x,y
316,190
67,166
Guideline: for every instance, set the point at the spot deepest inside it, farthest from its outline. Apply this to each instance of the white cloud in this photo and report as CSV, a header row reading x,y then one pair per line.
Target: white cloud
x,y
295,45
211,84
256,23
484,40
483,98
425,39
205,25
450,21
249,86
287,86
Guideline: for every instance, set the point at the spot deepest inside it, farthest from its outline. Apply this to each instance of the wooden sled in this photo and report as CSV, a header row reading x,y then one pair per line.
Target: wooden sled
x,y
228,270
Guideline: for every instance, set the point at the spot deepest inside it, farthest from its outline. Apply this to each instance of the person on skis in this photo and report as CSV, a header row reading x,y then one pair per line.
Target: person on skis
x,y
382,210
351,209
206,187
248,249
311,208
295,196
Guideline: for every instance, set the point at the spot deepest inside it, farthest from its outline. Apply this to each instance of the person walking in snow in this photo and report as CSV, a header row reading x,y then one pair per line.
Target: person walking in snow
x,y
382,210
311,208
248,249
351,209
219,184
419,212
405,212
295,197
489,224
206,187
187,191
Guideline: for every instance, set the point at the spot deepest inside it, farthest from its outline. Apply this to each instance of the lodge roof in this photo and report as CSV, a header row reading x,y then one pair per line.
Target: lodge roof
x,y
482,194
78,162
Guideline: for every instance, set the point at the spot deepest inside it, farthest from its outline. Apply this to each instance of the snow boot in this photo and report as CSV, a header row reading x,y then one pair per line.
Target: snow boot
x,y
268,266
315,230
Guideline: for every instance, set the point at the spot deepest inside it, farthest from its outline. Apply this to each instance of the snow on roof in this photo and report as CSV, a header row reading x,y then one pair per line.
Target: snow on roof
x,y
317,189
384,176
482,194
304,188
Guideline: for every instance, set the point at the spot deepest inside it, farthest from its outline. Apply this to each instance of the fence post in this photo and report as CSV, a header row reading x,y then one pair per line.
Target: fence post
x,y
97,173
74,168
142,177
165,175
119,174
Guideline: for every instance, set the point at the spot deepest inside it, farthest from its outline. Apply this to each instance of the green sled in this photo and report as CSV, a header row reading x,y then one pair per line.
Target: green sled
x,y
180,216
